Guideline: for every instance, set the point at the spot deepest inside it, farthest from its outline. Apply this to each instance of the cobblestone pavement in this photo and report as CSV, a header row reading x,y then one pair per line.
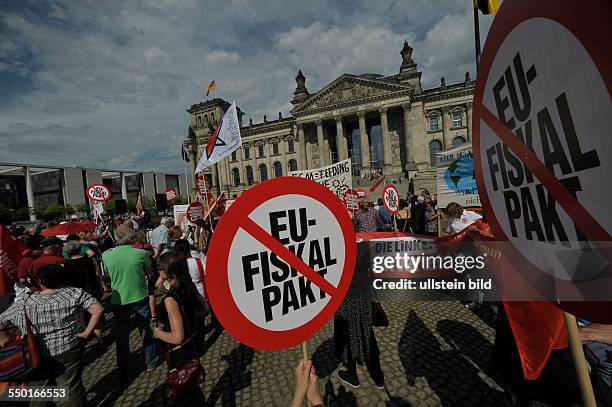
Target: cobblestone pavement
x,y
433,353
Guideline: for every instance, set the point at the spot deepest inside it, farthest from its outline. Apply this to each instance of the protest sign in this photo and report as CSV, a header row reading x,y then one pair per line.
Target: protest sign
x,y
170,194
195,212
180,216
99,193
351,199
455,177
336,177
202,185
541,142
280,263
391,197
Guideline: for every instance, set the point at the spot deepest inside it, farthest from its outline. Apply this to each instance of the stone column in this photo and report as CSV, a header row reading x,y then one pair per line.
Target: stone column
x,y
243,173
468,118
386,138
445,123
340,139
283,159
124,193
302,147
364,144
269,161
29,191
320,143
408,139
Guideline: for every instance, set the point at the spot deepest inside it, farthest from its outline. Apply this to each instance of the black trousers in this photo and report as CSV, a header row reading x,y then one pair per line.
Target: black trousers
x,y
342,339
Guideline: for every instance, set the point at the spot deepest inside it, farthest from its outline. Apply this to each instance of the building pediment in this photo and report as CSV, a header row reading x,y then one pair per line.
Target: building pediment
x,y
351,90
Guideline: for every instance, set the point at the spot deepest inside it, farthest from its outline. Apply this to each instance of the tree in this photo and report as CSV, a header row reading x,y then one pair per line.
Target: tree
x,y
22,214
109,206
148,202
82,208
38,210
6,217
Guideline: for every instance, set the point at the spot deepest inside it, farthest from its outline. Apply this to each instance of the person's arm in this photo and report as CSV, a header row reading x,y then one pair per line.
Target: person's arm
x,y
301,376
176,336
96,310
596,333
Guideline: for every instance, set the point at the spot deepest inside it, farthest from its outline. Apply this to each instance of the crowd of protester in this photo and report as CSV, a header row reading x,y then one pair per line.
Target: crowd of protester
x,y
153,276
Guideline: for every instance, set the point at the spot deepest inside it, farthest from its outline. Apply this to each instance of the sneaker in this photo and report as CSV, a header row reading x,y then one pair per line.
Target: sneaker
x,y
347,378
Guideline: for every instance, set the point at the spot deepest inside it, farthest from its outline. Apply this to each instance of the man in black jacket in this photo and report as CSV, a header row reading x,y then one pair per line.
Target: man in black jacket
x,y
417,215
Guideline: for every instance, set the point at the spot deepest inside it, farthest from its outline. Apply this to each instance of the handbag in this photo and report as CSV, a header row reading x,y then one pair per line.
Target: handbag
x,y
190,374
22,357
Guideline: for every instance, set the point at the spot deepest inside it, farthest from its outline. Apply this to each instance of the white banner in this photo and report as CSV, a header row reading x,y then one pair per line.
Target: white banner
x,y
455,177
336,177
225,140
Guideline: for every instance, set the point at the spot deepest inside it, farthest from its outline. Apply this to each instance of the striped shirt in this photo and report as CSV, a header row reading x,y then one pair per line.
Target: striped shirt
x,y
366,221
55,318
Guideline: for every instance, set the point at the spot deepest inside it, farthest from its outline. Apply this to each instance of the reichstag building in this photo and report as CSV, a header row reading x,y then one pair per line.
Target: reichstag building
x,y
383,123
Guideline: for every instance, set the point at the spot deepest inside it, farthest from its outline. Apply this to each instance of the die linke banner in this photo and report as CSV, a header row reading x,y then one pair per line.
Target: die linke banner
x,y
281,261
542,142
455,177
336,177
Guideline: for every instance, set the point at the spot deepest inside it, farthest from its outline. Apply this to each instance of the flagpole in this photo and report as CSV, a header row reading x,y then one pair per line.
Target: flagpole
x,y
476,35
187,182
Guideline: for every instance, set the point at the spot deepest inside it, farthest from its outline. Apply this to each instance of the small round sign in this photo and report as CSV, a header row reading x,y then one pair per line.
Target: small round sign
x,y
281,261
351,199
170,194
195,212
362,193
99,192
391,197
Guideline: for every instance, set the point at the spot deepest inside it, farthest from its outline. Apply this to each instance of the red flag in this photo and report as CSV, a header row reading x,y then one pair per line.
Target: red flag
x,y
373,187
11,252
538,328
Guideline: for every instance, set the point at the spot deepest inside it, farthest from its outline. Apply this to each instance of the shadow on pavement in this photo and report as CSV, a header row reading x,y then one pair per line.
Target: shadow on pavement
x,y
111,386
341,398
324,360
235,378
453,377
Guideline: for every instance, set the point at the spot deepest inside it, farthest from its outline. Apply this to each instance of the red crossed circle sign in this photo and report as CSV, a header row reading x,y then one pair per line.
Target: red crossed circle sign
x,y
541,138
195,211
280,262
202,185
391,197
170,194
99,192
351,199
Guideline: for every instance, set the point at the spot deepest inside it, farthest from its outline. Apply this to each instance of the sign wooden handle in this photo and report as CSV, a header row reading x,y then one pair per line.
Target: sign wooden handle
x,y
588,397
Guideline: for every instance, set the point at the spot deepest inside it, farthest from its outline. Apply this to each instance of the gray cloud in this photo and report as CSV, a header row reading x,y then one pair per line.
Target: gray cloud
x,y
107,83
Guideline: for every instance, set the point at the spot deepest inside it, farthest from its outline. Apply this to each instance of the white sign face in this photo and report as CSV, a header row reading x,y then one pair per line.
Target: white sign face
x,y
544,87
336,177
265,290
390,197
98,192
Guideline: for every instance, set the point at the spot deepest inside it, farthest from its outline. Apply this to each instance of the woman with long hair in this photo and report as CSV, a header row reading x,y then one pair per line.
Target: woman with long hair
x,y
182,310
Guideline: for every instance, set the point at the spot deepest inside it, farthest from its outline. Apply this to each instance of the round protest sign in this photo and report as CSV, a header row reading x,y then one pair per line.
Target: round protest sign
x,y
391,197
202,185
351,199
541,141
281,261
362,193
99,192
170,194
195,211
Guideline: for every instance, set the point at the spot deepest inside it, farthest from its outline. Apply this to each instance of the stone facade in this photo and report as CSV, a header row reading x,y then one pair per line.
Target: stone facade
x,y
384,123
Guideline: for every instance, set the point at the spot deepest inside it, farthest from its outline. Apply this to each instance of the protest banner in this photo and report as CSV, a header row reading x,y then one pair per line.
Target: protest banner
x,y
455,177
202,185
99,193
336,177
280,263
225,140
542,146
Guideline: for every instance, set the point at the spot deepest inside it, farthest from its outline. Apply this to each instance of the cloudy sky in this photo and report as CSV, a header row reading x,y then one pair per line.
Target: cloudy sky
x,y
106,83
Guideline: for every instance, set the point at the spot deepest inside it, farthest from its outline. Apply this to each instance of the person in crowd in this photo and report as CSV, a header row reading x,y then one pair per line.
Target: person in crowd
x,y
159,236
51,254
126,267
431,219
417,215
174,234
459,218
402,217
181,312
106,234
354,340
306,385
196,265
380,227
59,330
35,238
367,219
151,274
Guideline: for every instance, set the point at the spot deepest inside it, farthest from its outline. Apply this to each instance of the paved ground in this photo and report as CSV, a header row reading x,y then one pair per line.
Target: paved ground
x,y
433,353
